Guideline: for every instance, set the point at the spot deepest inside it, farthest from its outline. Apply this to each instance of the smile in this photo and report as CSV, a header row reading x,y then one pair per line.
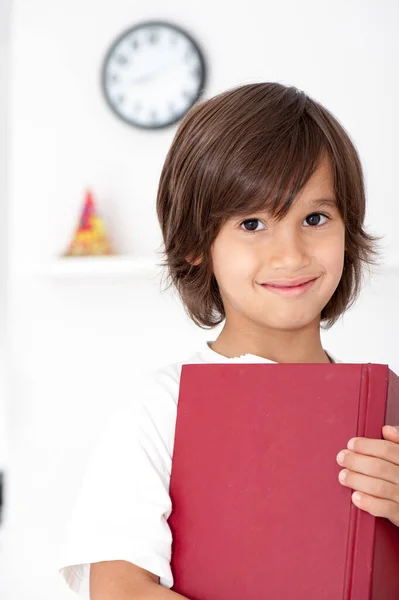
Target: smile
x,y
289,290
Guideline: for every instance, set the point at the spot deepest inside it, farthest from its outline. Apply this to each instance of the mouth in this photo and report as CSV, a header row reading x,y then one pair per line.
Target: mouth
x,y
295,287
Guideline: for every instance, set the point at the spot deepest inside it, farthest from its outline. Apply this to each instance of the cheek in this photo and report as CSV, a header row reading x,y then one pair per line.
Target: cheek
x,y
332,258
232,263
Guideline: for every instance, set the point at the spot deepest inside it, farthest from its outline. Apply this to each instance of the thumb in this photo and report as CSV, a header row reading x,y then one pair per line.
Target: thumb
x,y
391,433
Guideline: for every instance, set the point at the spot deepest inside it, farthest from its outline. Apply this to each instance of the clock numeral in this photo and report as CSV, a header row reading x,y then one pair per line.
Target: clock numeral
x,y
173,39
189,55
121,60
187,95
113,78
153,37
153,116
121,99
196,73
135,44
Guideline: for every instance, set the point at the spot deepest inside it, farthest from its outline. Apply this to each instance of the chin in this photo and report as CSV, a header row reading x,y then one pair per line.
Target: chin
x,y
293,322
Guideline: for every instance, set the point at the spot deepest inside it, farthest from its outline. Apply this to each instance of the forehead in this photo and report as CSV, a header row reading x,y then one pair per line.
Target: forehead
x,y
318,193
321,183
279,186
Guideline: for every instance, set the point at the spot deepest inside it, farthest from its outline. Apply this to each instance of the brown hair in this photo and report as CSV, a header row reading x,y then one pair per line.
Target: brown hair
x,y
253,147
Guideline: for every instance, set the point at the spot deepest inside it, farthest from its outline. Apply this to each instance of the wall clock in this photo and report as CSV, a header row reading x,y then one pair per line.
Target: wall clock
x,y
152,74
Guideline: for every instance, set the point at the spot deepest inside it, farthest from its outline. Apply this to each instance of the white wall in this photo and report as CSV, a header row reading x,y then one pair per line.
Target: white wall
x,y
76,345
4,64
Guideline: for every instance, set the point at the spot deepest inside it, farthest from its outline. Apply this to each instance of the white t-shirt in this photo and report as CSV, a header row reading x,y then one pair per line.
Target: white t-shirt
x,y
124,504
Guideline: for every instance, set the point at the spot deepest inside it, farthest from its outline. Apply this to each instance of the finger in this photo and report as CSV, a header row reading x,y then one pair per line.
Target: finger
x,y
391,433
369,465
385,449
377,507
369,485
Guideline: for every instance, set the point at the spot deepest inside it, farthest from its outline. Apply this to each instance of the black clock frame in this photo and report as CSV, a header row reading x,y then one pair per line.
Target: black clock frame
x,y
116,42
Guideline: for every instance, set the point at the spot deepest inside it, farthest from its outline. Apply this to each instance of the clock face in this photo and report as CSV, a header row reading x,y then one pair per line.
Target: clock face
x,y
153,74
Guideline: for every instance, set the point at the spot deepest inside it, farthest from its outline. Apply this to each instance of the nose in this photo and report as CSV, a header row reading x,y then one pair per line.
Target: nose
x,y
288,252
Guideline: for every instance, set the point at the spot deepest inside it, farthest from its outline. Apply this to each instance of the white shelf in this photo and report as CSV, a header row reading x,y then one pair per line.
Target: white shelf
x,y
104,266
123,265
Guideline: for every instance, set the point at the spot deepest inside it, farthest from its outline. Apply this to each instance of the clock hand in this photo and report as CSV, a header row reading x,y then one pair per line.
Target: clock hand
x,y
145,77
167,67
149,74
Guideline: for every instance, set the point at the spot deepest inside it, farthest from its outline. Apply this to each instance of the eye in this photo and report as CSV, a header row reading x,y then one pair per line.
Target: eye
x,y
315,220
252,225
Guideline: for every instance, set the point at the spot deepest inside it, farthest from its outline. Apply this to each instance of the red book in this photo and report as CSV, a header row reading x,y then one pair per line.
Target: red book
x,y
258,511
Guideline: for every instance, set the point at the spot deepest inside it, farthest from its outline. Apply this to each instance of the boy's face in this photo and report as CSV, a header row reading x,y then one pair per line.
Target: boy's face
x,y
255,258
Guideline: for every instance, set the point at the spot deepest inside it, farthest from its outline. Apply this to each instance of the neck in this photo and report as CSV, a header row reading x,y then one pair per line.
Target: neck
x,y
302,346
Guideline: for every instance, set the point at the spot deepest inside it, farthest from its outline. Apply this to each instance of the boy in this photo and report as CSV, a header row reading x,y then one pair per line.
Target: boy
x,y
261,204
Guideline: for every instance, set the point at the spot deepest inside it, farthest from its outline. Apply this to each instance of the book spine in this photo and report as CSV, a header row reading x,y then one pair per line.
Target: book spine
x,y
354,512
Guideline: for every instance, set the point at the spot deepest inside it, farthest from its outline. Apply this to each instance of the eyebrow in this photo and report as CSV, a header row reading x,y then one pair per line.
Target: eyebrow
x,y
324,202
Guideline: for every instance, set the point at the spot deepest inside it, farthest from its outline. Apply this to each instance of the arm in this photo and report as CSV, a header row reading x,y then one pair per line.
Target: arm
x,y
126,518
121,580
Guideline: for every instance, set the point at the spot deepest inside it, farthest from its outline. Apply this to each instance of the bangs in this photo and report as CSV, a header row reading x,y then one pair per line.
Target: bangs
x,y
267,176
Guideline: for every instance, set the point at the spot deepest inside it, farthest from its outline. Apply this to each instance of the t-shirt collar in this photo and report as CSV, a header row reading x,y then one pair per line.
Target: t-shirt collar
x,y
214,357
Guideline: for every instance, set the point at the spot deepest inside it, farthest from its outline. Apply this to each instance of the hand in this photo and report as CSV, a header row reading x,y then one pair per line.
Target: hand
x,y
372,471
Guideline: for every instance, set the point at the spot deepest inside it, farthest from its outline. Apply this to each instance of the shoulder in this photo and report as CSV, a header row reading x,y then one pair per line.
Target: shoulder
x,y
148,417
160,386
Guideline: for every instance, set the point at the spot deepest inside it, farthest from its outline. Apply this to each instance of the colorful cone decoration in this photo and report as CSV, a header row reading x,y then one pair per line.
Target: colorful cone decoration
x,y
91,238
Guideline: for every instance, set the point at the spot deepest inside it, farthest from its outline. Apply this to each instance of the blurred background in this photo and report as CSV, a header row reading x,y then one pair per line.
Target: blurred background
x,y
74,336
